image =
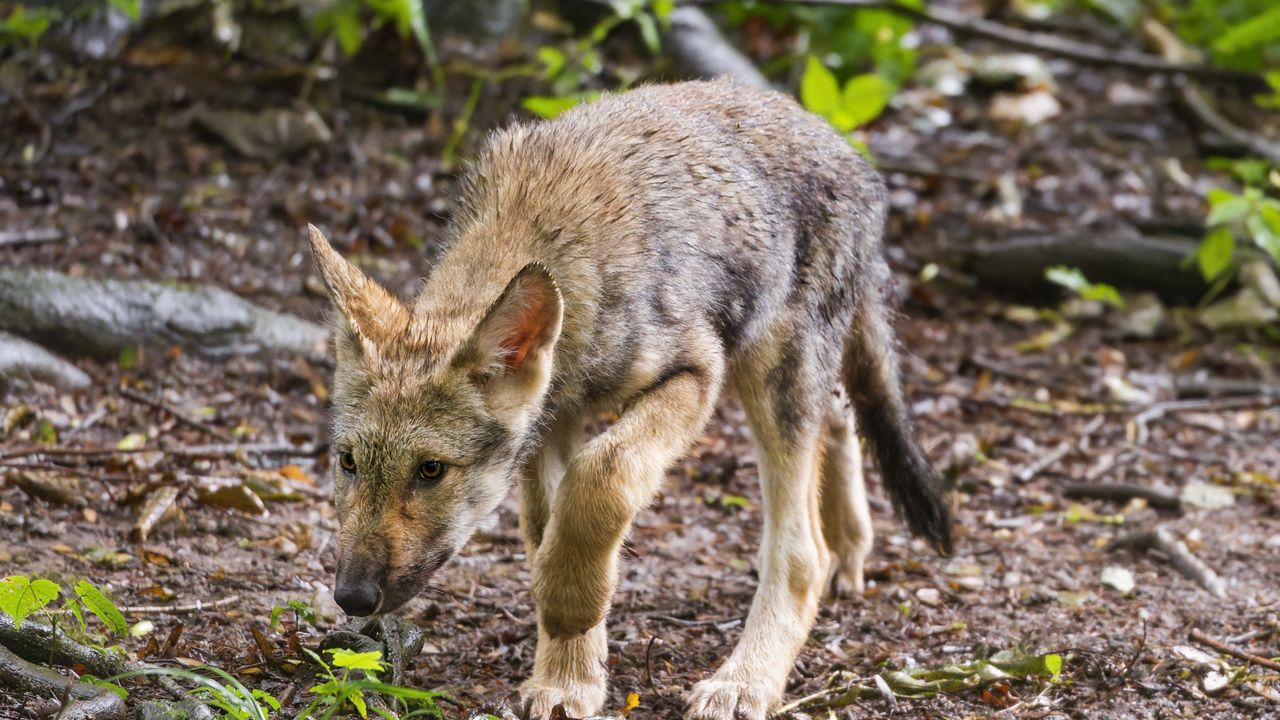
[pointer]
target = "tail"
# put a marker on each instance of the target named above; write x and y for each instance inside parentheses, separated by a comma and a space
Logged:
(871, 377)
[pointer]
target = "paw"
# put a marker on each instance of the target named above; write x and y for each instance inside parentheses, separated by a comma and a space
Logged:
(847, 579)
(847, 569)
(579, 700)
(728, 700)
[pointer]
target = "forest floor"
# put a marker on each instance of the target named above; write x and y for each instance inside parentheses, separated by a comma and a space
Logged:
(138, 189)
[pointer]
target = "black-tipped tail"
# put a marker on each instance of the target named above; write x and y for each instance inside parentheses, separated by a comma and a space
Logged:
(872, 380)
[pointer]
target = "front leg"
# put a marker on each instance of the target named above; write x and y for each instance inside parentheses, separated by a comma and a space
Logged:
(566, 671)
(606, 484)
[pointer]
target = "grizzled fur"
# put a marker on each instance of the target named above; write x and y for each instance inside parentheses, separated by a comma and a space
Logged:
(637, 254)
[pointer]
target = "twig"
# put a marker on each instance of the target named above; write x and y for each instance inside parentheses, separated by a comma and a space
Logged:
(1037, 466)
(177, 415)
(192, 452)
(30, 236)
(1159, 410)
(1022, 39)
(1123, 492)
(1197, 103)
(197, 606)
(1178, 555)
(1199, 636)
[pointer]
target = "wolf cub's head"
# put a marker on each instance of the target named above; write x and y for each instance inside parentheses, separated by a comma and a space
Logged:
(431, 412)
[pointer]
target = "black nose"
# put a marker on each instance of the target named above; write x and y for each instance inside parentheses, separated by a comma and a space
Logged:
(358, 597)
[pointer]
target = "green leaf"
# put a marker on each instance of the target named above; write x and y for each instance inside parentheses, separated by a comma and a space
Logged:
(819, 91)
(553, 61)
(131, 8)
(357, 699)
(549, 106)
(1214, 254)
(371, 660)
(346, 28)
(865, 97)
(649, 32)
(1225, 208)
(662, 9)
(1270, 215)
(20, 596)
(267, 698)
(105, 685)
(1254, 32)
(102, 607)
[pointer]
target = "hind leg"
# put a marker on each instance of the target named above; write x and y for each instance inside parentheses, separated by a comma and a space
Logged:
(846, 518)
(782, 400)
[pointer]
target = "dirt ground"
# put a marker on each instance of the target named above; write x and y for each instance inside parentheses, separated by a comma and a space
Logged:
(139, 190)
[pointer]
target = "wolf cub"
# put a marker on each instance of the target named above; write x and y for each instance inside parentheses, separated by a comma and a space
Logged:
(639, 254)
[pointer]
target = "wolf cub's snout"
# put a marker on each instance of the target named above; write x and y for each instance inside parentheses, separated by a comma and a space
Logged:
(639, 254)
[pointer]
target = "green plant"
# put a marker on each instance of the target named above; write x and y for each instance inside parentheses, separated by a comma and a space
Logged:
(1075, 281)
(861, 100)
(1242, 34)
(347, 20)
(571, 68)
(21, 597)
(1250, 215)
(848, 40)
(26, 25)
(222, 691)
(339, 690)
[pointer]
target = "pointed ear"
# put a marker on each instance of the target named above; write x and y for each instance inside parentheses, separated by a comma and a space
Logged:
(372, 314)
(516, 338)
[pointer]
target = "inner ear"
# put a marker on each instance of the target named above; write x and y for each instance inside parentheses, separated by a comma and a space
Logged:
(521, 325)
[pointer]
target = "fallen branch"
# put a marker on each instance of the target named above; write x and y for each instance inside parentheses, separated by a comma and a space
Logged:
(1123, 493)
(1197, 102)
(1178, 555)
(190, 452)
(194, 607)
(1199, 636)
(699, 50)
(81, 701)
(31, 236)
(1037, 466)
(963, 24)
(101, 317)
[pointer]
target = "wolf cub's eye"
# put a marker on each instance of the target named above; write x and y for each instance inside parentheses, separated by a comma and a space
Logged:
(430, 471)
(347, 461)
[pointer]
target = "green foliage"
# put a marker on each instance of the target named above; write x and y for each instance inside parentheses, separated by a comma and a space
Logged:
(1075, 281)
(1250, 216)
(301, 611)
(20, 596)
(26, 25)
(340, 690)
(1241, 34)
(92, 598)
(349, 19)
(1270, 101)
(132, 9)
(222, 690)
(849, 40)
(862, 100)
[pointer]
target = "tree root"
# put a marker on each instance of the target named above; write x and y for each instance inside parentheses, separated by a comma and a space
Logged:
(77, 700)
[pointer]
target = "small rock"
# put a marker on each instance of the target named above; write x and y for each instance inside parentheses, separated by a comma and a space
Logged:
(1258, 276)
(1028, 70)
(1118, 578)
(1030, 108)
(1206, 496)
(1142, 317)
(1215, 682)
(1246, 308)
(929, 596)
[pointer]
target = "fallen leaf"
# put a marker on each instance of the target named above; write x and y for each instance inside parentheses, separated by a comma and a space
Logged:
(1118, 578)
